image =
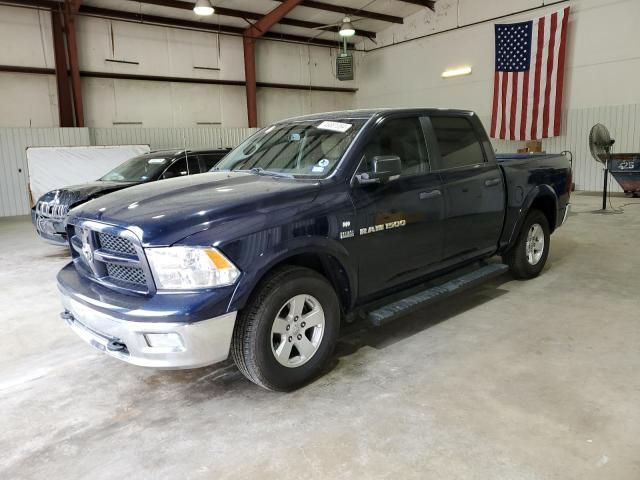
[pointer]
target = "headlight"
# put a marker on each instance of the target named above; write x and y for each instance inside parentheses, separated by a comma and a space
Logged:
(190, 267)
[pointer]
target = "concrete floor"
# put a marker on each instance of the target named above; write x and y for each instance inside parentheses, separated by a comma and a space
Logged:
(512, 380)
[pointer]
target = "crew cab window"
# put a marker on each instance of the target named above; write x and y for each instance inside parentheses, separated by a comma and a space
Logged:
(457, 141)
(402, 137)
(297, 149)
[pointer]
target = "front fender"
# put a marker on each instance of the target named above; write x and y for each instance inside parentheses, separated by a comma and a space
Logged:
(264, 262)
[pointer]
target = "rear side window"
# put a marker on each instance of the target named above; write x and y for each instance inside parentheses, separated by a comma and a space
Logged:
(459, 146)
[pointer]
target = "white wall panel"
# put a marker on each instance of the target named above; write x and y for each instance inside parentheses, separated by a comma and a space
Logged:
(25, 37)
(159, 138)
(110, 102)
(472, 11)
(278, 104)
(28, 100)
(14, 178)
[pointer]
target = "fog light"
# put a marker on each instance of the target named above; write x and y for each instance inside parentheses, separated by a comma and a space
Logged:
(171, 341)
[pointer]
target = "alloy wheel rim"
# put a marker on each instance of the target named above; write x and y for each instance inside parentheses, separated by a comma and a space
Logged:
(297, 331)
(534, 248)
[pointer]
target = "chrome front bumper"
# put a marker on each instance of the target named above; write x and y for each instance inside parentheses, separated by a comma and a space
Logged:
(196, 344)
(48, 229)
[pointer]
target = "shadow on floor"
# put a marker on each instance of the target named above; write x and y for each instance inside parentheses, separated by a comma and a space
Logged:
(224, 378)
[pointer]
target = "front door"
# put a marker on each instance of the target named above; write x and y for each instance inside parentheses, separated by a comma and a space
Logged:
(398, 223)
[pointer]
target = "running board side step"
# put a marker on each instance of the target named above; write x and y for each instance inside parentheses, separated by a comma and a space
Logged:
(406, 305)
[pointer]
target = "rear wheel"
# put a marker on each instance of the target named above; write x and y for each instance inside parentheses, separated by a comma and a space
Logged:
(286, 334)
(527, 257)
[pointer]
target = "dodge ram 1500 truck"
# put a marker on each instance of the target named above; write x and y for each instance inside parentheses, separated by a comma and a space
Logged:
(311, 222)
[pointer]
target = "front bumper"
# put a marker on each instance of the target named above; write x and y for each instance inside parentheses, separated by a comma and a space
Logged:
(48, 229)
(201, 343)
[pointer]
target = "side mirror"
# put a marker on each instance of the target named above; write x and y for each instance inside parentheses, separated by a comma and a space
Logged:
(385, 167)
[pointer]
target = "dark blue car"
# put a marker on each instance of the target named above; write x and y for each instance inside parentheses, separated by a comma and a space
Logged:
(311, 222)
(49, 213)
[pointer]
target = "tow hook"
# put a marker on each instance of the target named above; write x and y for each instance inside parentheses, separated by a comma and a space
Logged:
(66, 315)
(115, 346)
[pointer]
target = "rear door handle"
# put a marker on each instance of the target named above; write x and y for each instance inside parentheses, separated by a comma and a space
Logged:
(492, 182)
(431, 194)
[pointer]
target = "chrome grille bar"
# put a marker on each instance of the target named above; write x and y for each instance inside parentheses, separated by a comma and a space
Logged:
(111, 256)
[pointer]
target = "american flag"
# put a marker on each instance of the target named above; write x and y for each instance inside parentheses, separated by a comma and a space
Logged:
(529, 76)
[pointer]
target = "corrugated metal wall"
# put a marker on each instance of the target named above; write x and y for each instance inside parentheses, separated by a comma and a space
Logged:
(623, 122)
(14, 179)
(158, 138)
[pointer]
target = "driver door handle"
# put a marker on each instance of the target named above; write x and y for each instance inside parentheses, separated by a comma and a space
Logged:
(431, 194)
(492, 182)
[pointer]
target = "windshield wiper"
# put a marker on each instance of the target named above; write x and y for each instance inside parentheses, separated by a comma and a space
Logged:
(262, 171)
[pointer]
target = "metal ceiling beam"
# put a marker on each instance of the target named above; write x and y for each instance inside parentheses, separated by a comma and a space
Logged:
(430, 4)
(329, 7)
(166, 21)
(194, 24)
(230, 12)
(52, 4)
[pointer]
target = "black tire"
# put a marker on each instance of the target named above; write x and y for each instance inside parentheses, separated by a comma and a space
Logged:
(516, 257)
(251, 347)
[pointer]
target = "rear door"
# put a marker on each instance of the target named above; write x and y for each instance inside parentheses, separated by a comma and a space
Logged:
(398, 234)
(473, 188)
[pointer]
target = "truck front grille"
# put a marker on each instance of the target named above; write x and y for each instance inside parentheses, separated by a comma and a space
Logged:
(116, 244)
(122, 273)
(110, 256)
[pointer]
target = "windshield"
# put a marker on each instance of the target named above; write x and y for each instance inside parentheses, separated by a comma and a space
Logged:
(138, 169)
(308, 149)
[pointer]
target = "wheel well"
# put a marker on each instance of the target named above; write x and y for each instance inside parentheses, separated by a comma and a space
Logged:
(547, 206)
(328, 267)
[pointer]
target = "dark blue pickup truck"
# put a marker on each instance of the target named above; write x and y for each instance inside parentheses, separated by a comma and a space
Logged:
(311, 222)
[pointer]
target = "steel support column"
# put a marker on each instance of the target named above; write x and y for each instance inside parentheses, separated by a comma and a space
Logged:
(65, 104)
(249, 37)
(70, 10)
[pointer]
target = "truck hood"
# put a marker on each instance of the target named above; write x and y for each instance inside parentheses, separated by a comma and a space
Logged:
(162, 213)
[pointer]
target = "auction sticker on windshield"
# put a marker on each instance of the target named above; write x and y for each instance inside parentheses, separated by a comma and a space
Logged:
(335, 126)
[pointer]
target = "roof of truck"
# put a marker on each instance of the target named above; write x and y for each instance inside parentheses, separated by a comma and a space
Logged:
(169, 153)
(370, 112)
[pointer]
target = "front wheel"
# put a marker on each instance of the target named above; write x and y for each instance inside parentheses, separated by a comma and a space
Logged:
(527, 257)
(286, 334)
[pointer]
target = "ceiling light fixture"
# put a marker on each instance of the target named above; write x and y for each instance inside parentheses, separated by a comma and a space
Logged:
(456, 72)
(203, 7)
(347, 30)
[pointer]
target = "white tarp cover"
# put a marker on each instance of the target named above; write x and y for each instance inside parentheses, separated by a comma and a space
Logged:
(56, 167)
